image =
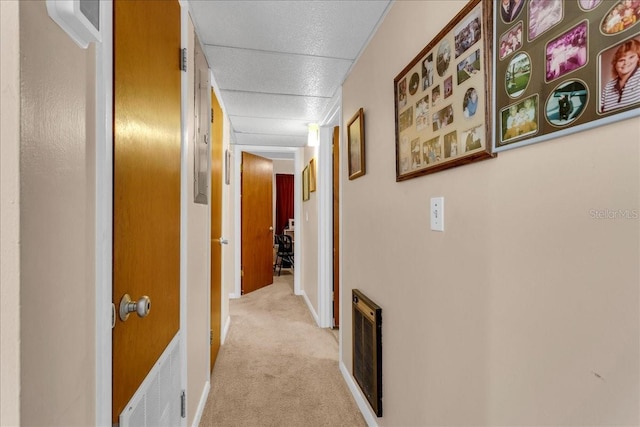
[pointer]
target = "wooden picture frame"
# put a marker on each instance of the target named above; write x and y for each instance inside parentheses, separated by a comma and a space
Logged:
(443, 105)
(355, 145)
(554, 70)
(312, 174)
(305, 184)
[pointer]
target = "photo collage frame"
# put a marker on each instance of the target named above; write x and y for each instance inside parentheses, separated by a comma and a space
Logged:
(442, 110)
(562, 66)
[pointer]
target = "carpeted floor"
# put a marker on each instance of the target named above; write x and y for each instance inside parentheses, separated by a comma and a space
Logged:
(277, 368)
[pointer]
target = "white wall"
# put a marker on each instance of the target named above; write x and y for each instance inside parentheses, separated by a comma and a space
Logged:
(10, 215)
(198, 257)
(57, 224)
(525, 311)
(308, 262)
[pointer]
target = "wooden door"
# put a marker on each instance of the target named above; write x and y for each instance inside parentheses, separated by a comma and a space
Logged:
(146, 186)
(336, 226)
(216, 226)
(257, 222)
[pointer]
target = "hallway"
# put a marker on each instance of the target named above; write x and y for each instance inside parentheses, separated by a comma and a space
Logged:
(277, 367)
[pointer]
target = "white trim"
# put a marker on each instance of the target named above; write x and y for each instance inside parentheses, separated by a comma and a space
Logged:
(325, 229)
(298, 163)
(184, 204)
(104, 216)
(201, 404)
(225, 330)
(341, 300)
(237, 234)
(362, 403)
(237, 159)
(311, 309)
(325, 212)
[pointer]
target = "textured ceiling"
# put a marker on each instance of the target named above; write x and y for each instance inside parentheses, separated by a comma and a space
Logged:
(278, 64)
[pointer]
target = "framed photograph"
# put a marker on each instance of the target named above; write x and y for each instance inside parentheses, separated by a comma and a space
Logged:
(564, 66)
(312, 174)
(355, 142)
(305, 184)
(445, 119)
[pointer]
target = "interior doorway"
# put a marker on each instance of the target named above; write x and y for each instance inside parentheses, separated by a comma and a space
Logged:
(257, 222)
(272, 152)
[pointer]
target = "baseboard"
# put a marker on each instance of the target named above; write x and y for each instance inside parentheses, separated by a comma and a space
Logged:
(362, 403)
(203, 402)
(311, 309)
(234, 296)
(225, 330)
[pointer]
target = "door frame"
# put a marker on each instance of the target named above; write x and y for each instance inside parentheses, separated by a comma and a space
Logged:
(292, 152)
(104, 214)
(332, 118)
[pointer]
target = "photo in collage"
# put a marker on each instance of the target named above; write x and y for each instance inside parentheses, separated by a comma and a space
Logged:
(564, 66)
(444, 119)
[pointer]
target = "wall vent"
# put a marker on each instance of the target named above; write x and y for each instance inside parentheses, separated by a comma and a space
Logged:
(367, 348)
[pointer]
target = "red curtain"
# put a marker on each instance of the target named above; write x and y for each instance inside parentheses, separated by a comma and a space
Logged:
(284, 200)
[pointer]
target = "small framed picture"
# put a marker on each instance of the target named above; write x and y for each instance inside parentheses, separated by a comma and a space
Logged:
(312, 174)
(305, 184)
(355, 144)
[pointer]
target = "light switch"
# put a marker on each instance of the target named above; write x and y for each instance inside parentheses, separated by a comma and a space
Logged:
(437, 213)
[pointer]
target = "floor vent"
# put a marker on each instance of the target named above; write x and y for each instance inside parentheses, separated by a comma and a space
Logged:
(367, 348)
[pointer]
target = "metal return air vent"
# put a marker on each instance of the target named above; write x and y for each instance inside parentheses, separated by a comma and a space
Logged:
(367, 348)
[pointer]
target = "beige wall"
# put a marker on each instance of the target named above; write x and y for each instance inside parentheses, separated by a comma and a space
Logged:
(198, 258)
(57, 223)
(309, 222)
(10, 215)
(525, 311)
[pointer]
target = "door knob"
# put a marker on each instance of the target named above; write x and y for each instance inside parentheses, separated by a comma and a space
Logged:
(270, 228)
(142, 306)
(223, 241)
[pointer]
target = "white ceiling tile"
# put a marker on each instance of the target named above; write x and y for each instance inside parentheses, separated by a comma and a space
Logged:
(268, 72)
(278, 64)
(270, 140)
(269, 126)
(336, 29)
(262, 105)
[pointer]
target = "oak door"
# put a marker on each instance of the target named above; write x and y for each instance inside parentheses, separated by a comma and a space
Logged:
(257, 222)
(216, 227)
(336, 226)
(146, 186)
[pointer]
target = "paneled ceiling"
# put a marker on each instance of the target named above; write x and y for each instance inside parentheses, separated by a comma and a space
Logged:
(278, 64)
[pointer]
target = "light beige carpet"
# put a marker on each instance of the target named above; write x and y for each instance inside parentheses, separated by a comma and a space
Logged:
(277, 368)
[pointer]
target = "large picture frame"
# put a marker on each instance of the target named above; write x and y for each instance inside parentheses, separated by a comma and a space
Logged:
(555, 70)
(442, 104)
(355, 145)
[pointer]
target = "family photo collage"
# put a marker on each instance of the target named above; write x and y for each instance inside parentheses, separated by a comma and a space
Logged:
(564, 65)
(441, 99)
(555, 66)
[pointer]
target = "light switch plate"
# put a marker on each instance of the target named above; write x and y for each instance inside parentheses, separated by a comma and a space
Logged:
(437, 213)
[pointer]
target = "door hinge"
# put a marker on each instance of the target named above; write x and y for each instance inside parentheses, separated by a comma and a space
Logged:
(183, 59)
(211, 337)
(183, 404)
(241, 273)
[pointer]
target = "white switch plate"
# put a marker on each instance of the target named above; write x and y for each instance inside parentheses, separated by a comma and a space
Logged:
(437, 213)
